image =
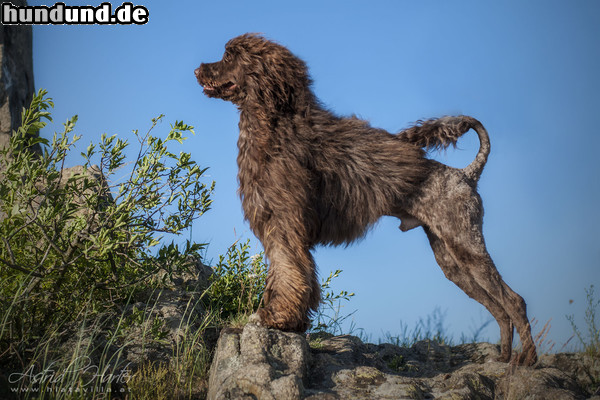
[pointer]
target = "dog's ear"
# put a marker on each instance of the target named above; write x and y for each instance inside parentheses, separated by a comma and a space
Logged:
(283, 83)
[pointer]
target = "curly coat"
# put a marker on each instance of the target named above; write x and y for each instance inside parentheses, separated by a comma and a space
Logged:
(310, 177)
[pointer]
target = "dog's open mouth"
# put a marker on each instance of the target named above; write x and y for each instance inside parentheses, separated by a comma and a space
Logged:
(214, 88)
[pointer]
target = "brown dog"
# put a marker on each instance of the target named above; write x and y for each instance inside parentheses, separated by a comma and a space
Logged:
(309, 177)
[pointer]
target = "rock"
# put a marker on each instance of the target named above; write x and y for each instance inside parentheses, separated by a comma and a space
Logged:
(97, 183)
(153, 327)
(177, 312)
(258, 363)
(544, 383)
(584, 368)
(16, 78)
(16, 75)
(268, 364)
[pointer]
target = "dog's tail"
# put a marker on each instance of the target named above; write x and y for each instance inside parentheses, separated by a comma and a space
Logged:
(440, 133)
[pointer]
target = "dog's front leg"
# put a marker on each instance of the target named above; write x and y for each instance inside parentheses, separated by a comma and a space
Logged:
(292, 291)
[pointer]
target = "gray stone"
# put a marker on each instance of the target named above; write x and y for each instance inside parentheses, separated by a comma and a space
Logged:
(16, 74)
(258, 363)
(178, 309)
(261, 363)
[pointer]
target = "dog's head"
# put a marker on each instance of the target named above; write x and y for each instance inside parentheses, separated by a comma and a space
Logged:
(258, 72)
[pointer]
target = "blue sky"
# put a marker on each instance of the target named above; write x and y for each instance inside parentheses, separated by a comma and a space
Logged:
(528, 70)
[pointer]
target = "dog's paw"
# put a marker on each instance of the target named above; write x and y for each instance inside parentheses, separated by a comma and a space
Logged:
(267, 318)
(504, 358)
(255, 319)
(527, 357)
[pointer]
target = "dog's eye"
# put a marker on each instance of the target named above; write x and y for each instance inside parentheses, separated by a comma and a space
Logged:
(227, 56)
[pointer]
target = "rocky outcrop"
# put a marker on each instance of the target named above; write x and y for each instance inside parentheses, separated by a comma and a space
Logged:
(178, 309)
(16, 75)
(268, 364)
(154, 325)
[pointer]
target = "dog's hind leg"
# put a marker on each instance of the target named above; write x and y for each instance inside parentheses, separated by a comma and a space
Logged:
(451, 209)
(467, 248)
(470, 286)
(475, 263)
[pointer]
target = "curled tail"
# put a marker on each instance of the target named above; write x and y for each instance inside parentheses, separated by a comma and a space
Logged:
(443, 132)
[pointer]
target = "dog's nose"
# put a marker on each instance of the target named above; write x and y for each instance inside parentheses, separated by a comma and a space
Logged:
(197, 72)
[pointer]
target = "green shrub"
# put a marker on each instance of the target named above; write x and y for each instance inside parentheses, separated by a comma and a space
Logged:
(80, 241)
(238, 283)
(329, 317)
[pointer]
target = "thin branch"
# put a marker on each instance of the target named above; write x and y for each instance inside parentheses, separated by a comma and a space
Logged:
(21, 269)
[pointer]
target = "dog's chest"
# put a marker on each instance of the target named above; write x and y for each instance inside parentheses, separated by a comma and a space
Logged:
(252, 171)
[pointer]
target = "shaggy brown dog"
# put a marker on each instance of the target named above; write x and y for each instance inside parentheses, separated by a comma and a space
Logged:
(309, 177)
